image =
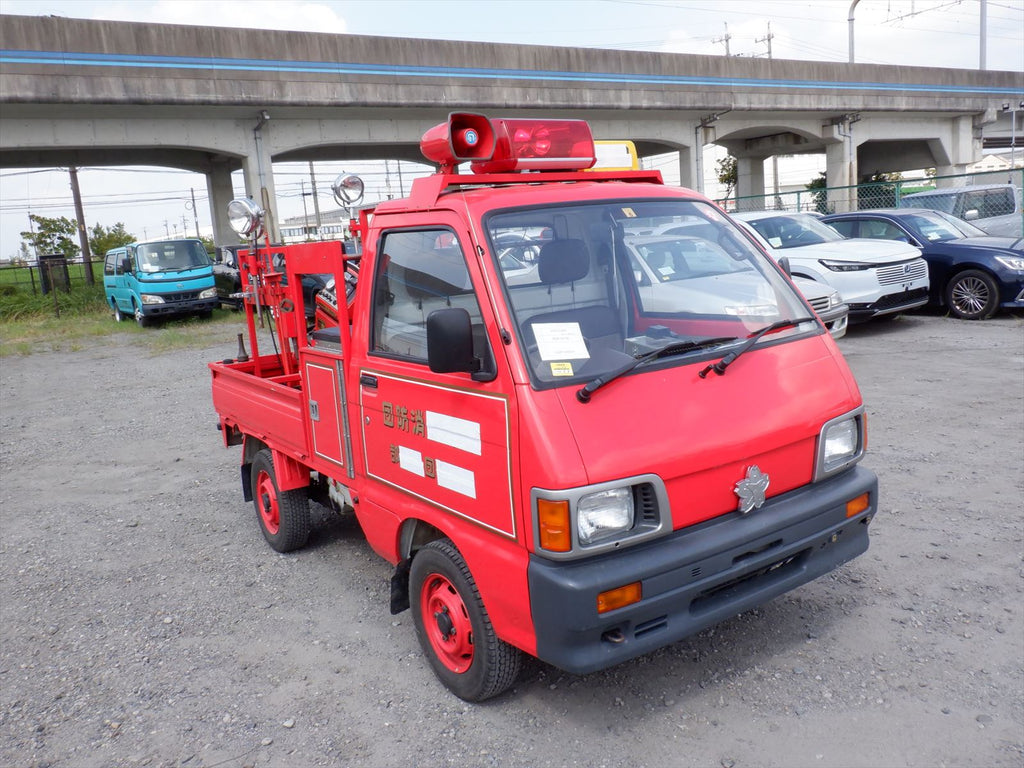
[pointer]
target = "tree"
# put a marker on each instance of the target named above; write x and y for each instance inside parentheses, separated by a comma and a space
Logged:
(102, 239)
(53, 236)
(878, 190)
(727, 174)
(819, 186)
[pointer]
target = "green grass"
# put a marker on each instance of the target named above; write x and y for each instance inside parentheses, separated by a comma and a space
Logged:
(28, 324)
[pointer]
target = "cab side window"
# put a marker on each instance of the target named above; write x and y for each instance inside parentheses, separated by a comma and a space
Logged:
(418, 272)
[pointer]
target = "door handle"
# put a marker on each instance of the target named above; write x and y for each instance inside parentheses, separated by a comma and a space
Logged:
(366, 380)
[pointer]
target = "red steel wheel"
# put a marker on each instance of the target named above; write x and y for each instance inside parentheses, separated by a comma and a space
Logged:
(446, 623)
(283, 515)
(453, 627)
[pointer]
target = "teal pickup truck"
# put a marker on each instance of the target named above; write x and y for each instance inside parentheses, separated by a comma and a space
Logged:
(159, 279)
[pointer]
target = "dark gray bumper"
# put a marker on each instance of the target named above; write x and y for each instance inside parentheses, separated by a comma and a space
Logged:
(697, 577)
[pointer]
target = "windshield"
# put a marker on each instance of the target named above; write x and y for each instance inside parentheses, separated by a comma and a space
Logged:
(936, 227)
(793, 230)
(965, 228)
(612, 282)
(171, 256)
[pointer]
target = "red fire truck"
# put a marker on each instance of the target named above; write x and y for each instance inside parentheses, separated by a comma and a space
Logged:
(560, 454)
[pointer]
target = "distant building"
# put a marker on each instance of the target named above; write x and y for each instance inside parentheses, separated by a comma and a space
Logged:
(301, 229)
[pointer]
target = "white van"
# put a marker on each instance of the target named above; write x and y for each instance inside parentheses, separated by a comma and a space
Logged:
(995, 208)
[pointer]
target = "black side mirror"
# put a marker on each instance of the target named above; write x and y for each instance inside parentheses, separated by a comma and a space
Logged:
(126, 264)
(450, 343)
(784, 263)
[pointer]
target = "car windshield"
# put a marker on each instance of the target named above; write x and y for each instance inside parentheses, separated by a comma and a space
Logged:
(963, 227)
(793, 230)
(936, 227)
(599, 294)
(171, 256)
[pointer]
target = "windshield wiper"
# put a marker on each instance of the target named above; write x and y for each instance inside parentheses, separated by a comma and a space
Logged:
(583, 393)
(752, 339)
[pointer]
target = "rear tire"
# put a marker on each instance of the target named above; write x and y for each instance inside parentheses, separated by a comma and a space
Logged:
(453, 627)
(972, 295)
(118, 315)
(283, 515)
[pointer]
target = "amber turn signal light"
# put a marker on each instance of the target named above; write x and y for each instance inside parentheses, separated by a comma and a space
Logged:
(857, 505)
(619, 597)
(553, 525)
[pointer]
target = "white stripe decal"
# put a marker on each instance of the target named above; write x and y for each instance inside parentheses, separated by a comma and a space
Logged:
(456, 479)
(410, 460)
(453, 431)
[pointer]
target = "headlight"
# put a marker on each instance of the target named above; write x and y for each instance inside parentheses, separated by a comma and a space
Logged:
(845, 266)
(604, 514)
(840, 444)
(570, 523)
(834, 300)
(1011, 262)
(152, 298)
(209, 293)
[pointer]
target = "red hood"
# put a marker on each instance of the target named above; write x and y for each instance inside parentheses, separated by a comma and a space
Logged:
(700, 435)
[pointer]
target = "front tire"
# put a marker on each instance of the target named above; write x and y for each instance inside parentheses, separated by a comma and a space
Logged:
(453, 627)
(972, 295)
(140, 318)
(283, 515)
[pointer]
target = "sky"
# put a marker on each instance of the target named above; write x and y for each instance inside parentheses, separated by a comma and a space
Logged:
(152, 202)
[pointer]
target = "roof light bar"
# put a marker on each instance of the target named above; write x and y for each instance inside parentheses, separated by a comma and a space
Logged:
(539, 145)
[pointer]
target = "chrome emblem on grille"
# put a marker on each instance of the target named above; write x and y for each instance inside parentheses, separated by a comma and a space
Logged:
(751, 489)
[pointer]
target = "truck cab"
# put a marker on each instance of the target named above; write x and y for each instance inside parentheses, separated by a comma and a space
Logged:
(556, 462)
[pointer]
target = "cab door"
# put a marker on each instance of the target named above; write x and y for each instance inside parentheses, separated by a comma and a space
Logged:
(444, 439)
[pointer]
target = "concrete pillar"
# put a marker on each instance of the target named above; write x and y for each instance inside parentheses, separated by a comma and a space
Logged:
(220, 192)
(750, 183)
(943, 171)
(259, 180)
(841, 175)
(688, 168)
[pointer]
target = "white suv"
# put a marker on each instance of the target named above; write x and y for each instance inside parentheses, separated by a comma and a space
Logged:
(874, 277)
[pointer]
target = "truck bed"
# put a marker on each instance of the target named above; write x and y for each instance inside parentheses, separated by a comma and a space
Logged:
(268, 406)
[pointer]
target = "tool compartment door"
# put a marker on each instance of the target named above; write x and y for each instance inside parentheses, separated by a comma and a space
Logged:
(323, 376)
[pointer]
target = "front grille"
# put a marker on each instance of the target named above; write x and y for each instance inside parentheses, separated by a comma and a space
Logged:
(903, 272)
(646, 504)
(170, 298)
(905, 299)
(819, 305)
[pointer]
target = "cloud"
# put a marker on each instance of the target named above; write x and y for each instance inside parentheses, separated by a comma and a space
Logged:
(296, 15)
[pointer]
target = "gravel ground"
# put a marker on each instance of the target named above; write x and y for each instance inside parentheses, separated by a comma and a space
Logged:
(146, 622)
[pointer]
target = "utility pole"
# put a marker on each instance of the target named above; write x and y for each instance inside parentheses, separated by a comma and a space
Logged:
(83, 236)
(305, 211)
(195, 213)
(775, 158)
(316, 203)
(767, 39)
(724, 39)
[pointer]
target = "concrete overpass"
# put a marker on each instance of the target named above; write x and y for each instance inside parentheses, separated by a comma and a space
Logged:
(80, 92)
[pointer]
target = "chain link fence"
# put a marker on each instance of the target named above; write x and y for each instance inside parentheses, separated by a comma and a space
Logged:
(879, 194)
(39, 278)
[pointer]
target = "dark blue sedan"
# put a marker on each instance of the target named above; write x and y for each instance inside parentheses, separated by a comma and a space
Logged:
(970, 273)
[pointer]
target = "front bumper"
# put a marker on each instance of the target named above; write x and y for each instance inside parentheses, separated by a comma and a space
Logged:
(180, 307)
(696, 577)
(890, 303)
